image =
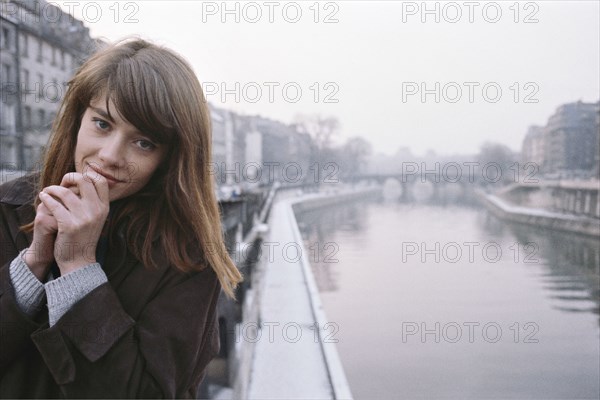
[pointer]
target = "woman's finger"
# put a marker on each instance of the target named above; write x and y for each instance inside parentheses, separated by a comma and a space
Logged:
(100, 184)
(42, 209)
(69, 200)
(91, 184)
(55, 207)
(69, 183)
(69, 179)
(75, 190)
(79, 183)
(44, 219)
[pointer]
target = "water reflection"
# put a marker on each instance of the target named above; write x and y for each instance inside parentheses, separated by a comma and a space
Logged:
(318, 227)
(571, 261)
(373, 295)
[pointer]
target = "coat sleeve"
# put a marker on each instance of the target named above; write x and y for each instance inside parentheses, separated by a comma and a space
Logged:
(97, 350)
(15, 325)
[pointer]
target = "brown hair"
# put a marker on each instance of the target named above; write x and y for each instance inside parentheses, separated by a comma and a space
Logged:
(155, 90)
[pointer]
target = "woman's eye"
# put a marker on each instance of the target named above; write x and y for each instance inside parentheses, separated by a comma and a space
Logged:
(101, 124)
(145, 145)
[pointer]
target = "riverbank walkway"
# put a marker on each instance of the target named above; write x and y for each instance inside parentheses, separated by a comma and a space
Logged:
(581, 224)
(292, 359)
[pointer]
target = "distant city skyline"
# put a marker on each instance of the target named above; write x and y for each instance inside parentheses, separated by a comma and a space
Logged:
(371, 63)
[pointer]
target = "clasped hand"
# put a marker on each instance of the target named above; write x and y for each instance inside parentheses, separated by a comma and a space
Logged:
(68, 223)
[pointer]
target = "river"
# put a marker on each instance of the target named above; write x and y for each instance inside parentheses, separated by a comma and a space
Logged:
(428, 301)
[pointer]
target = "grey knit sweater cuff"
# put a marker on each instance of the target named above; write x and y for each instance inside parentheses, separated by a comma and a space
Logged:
(66, 290)
(29, 291)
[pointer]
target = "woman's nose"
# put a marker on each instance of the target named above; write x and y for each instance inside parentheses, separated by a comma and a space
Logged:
(112, 151)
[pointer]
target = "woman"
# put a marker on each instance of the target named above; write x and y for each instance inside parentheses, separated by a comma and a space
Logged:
(113, 257)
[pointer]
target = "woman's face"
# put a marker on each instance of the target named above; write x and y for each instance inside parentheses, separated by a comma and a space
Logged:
(115, 149)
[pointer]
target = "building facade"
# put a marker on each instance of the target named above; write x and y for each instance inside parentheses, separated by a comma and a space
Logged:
(41, 48)
(571, 139)
(568, 146)
(253, 150)
(533, 150)
(597, 156)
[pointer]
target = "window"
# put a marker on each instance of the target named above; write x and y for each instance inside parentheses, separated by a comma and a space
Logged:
(6, 151)
(27, 117)
(25, 79)
(40, 84)
(62, 60)
(53, 92)
(53, 56)
(7, 122)
(6, 73)
(29, 154)
(40, 48)
(25, 45)
(41, 117)
(5, 39)
(68, 61)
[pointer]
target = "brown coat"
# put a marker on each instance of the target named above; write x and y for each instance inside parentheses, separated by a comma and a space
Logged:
(145, 333)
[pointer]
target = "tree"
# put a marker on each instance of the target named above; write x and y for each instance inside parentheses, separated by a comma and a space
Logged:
(321, 129)
(497, 161)
(355, 153)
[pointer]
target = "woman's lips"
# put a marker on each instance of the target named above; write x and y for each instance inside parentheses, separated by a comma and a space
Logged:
(112, 181)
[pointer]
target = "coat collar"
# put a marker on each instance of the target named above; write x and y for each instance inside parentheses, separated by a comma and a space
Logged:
(21, 193)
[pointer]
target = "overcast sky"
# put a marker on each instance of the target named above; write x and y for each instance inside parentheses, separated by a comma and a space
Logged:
(367, 65)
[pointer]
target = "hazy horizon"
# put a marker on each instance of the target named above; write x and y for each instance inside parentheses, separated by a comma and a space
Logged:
(373, 59)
